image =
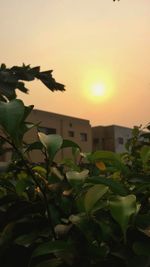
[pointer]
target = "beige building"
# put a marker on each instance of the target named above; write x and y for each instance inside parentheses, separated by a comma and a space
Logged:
(112, 138)
(75, 129)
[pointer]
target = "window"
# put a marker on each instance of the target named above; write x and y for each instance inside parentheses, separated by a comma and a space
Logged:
(47, 130)
(70, 124)
(83, 137)
(120, 140)
(70, 133)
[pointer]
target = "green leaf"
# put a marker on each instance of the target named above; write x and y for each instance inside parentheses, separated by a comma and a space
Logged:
(107, 157)
(34, 146)
(23, 128)
(103, 155)
(11, 79)
(68, 143)
(115, 186)
(7, 234)
(95, 193)
(145, 154)
(26, 240)
(3, 192)
(98, 251)
(121, 209)
(7, 184)
(3, 66)
(51, 247)
(86, 226)
(23, 73)
(143, 220)
(21, 185)
(7, 88)
(49, 81)
(142, 248)
(62, 229)
(50, 263)
(8, 199)
(51, 142)
(11, 115)
(75, 177)
(106, 230)
(57, 173)
(39, 169)
(27, 111)
(145, 135)
(2, 98)
(21, 87)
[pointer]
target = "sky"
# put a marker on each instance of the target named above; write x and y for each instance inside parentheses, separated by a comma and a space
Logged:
(87, 44)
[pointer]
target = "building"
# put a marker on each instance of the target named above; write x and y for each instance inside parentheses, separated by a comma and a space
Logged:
(75, 129)
(112, 138)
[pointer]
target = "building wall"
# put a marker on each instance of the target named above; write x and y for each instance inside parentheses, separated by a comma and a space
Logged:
(121, 135)
(103, 138)
(75, 129)
(111, 138)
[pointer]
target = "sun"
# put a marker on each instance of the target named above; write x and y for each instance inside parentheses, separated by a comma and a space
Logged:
(98, 85)
(98, 90)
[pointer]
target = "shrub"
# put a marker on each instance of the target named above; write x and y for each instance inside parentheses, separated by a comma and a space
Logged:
(92, 212)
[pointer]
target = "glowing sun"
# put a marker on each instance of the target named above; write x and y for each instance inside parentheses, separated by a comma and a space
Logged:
(98, 90)
(97, 86)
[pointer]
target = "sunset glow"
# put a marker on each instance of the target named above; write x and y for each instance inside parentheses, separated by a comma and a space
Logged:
(98, 90)
(98, 49)
(98, 85)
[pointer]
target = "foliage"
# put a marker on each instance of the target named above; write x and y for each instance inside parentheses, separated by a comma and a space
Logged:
(90, 212)
(12, 79)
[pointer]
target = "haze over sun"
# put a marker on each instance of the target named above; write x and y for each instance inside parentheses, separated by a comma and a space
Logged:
(99, 49)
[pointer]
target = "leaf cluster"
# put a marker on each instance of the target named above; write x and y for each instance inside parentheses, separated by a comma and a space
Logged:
(13, 78)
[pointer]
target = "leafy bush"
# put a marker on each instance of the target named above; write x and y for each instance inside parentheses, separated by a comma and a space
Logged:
(94, 211)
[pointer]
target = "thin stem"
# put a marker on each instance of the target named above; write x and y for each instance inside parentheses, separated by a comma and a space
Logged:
(36, 182)
(47, 161)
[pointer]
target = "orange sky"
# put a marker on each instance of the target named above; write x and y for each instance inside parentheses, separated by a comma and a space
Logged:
(84, 42)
